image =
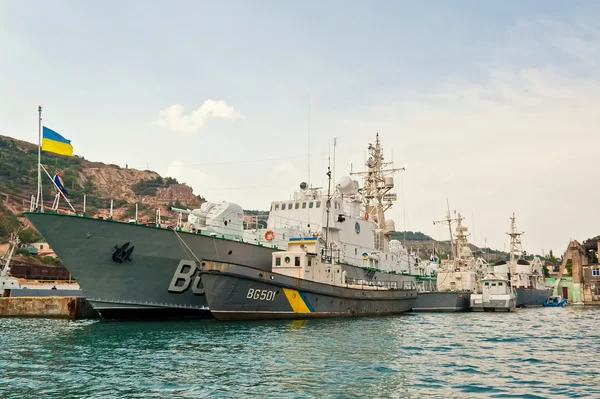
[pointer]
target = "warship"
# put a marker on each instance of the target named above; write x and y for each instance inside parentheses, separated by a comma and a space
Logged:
(526, 277)
(457, 278)
(305, 282)
(130, 270)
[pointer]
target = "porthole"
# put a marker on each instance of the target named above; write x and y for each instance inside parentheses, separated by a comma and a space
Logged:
(287, 259)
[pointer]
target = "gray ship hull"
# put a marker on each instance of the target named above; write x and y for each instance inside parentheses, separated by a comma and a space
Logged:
(159, 278)
(530, 298)
(442, 301)
(236, 292)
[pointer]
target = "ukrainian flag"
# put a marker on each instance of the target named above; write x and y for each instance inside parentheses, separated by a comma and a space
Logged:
(54, 142)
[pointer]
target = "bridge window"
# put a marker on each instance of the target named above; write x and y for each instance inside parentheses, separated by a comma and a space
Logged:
(596, 271)
(297, 205)
(283, 207)
(309, 261)
(297, 260)
(276, 207)
(310, 204)
(487, 284)
(278, 261)
(500, 284)
(304, 205)
(318, 204)
(290, 206)
(493, 284)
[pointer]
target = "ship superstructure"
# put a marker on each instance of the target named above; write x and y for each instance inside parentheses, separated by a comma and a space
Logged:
(358, 232)
(527, 277)
(457, 277)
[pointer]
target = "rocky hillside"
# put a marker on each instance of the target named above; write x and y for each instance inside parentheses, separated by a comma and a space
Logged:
(97, 181)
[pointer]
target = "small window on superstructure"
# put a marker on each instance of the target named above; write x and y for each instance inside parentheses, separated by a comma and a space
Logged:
(278, 261)
(310, 204)
(493, 284)
(276, 207)
(304, 205)
(500, 284)
(283, 207)
(309, 261)
(290, 206)
(487, 284)
(297, 205)
(318, 204)
(355, 251)
(296, 260)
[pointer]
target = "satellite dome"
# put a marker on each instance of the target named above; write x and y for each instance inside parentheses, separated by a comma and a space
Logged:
(345, 185)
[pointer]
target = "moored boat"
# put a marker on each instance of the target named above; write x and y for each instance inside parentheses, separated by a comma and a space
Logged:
(497, 296)
(555, 301)
(304, 283)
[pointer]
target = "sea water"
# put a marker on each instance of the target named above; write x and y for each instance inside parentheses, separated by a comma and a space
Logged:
(532, 353)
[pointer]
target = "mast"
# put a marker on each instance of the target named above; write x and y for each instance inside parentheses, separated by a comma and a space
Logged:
(516, 249)
(39, 200)
(377, 184)
(14, 242)
(328, 207)
(448, 220)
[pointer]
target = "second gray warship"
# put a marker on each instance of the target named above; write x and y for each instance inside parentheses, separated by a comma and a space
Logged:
(457, 277)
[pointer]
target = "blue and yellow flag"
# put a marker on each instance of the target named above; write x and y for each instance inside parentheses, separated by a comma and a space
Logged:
(54, 142)
(60, 184)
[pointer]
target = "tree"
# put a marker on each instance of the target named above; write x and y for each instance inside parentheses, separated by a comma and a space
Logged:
(29, 236)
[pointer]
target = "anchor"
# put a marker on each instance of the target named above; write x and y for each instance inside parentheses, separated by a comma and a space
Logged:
(122, 253)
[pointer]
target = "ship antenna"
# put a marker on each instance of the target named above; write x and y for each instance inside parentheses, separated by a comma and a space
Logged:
(308, 139)
(328, 207)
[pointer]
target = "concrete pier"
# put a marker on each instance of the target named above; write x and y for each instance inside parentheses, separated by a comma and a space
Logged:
(49, 306)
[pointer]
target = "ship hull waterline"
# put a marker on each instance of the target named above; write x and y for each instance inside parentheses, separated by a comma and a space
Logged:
(442, 301)
(531, 297)
(236, 292)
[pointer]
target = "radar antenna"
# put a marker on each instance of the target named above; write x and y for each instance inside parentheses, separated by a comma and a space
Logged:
(378, 181)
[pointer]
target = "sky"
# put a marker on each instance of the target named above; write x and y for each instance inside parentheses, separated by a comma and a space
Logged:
(492, 107)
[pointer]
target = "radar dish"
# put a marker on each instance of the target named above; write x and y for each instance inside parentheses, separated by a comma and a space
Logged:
(345, 185)
(303, 185)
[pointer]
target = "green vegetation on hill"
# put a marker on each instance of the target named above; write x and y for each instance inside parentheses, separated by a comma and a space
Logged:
(18, 166)
(150, 186)
(8, 222)
(410, 236)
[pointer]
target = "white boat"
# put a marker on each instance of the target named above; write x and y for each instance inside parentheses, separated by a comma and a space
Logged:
(497, 296)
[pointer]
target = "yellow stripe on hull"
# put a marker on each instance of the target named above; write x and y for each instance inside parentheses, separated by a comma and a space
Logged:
(57, 147)
(296, 301)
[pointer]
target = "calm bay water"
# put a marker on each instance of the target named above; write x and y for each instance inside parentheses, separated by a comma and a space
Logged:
(531, 353)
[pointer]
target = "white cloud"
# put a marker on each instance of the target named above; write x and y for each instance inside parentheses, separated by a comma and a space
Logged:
(174, 118)
(281, 169)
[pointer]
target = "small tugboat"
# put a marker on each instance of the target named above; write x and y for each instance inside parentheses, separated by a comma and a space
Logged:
(497, 296)
(555, 301)
(304, 283)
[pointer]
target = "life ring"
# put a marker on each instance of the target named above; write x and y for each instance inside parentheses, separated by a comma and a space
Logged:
(366, 215)
(269, 235)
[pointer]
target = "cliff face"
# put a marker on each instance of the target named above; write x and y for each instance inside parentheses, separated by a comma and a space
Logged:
(99, 183)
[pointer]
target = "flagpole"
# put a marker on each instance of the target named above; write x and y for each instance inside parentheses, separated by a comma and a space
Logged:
(39, 200)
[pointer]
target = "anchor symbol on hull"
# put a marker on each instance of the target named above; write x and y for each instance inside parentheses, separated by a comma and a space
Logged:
(122, 253)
